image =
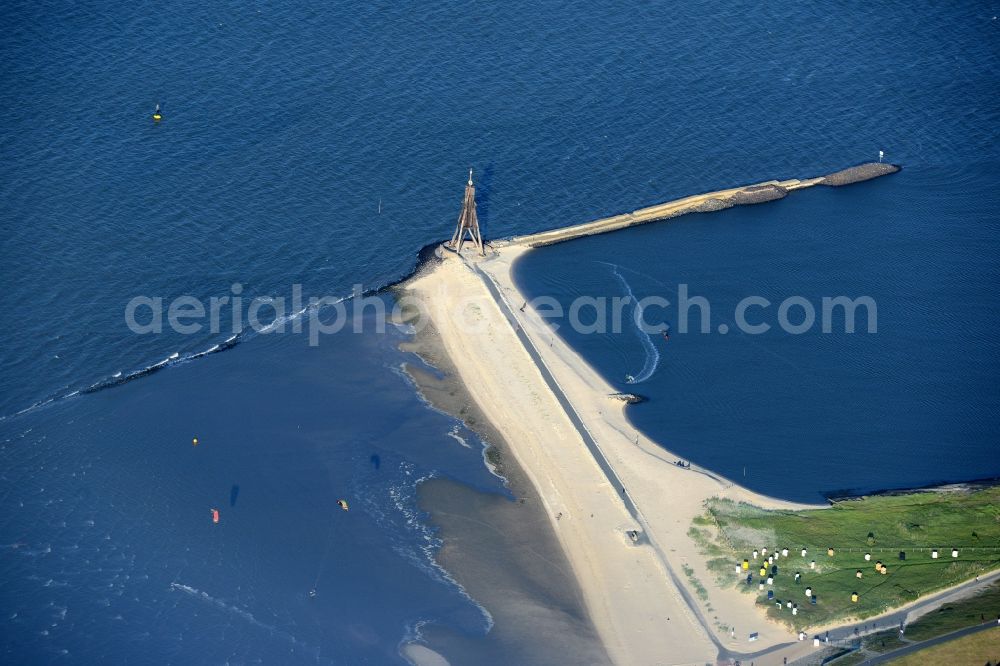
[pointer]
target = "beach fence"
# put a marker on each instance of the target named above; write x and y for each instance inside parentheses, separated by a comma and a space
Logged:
(943, 553)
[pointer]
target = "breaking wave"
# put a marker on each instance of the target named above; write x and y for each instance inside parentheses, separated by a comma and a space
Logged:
(176, 358)
(234, 610)
(424, 256)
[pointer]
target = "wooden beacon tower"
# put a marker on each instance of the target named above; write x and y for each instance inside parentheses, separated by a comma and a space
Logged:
(468, 223)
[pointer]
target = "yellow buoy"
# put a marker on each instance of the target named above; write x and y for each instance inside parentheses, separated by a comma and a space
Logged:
(854, 598)
(156, 114)
(194, 442)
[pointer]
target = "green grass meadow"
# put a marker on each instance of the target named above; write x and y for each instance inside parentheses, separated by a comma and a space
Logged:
(881, 525)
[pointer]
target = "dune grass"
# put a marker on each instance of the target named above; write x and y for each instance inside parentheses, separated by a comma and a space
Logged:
(884, 525)
(983, 607)
(976, 649)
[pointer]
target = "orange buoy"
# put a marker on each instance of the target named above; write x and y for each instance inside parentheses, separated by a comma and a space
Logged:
(342, 504)
(215, 515)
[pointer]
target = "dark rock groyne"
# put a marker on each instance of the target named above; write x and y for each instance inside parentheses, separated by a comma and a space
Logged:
(857, 174)
(703, 203)
(759, 194)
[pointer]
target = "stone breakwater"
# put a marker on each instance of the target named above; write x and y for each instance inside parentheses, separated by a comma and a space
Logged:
(856, 174)
(703, 203)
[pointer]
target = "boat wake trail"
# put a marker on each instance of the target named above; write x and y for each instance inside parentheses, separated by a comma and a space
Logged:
(652, 360)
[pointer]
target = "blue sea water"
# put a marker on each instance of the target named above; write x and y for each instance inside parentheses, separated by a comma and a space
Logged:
(323, 146)
(801, 415)
(110, 553)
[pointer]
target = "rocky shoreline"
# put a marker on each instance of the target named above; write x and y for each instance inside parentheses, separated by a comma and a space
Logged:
(771, 190)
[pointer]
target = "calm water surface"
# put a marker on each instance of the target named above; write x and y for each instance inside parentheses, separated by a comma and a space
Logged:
(286, 126)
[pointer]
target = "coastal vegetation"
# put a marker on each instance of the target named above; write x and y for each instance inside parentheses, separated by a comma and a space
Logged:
(981, 648)
(978, 648)
(861, 556)
(983, 607)
(699, 589)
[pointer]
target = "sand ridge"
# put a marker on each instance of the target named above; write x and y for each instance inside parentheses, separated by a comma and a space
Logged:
(635, 592)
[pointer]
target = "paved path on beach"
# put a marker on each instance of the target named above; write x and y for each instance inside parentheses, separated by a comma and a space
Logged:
(595, 450)
(911, 613)
(841, 635)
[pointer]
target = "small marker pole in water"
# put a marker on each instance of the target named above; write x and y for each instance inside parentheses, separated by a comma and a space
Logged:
(880, 156)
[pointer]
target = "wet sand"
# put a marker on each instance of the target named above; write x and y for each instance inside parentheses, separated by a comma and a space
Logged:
(618, 505)
(499, 547)
(634, 600)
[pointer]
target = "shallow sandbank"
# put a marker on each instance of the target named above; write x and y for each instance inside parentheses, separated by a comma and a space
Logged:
(500, 548)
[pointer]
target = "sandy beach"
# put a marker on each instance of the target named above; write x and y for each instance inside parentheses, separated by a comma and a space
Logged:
(500, 548)
(619, 505)
(636, 590)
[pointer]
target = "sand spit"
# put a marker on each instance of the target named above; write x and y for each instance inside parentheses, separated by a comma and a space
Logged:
(626, 540)
(500, 548)
(619, 505)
